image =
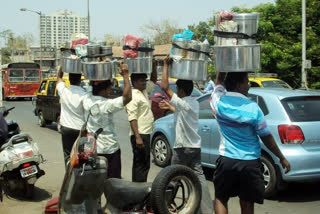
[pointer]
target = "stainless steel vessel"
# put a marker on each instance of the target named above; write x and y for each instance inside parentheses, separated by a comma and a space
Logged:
(248, 23)
(98, 70)
(240, 58)
(189, 69)
(70, 65)
(139, 65)
(142, 54)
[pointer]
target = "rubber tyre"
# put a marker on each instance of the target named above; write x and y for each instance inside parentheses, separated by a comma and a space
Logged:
(41, 120)
(29, 190)
(161, 151)
(269, 176)
(58, 125)
(171, 173)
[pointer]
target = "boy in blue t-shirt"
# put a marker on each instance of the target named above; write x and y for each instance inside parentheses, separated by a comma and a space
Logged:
(241, 123)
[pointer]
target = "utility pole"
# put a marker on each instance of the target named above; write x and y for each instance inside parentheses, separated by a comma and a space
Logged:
(39, 13)
(304, 83)
(88, 22)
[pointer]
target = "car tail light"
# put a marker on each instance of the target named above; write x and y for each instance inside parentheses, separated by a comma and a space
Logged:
(290, 134)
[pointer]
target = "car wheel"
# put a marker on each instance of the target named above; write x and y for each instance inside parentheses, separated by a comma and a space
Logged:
(58, 125)
(161, 151)
(269, 177)
(41, 120)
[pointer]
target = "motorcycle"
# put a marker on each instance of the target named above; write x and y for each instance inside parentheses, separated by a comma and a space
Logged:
(19, 162)
(176, 189)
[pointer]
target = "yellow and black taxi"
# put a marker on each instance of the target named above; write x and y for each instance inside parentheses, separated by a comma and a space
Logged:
(47, 101)
(267, 81)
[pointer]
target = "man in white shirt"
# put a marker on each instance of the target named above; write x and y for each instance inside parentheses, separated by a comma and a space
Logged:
(187, 146)
(209, 86)
(141, 122)
(107, 142)
(72, 113)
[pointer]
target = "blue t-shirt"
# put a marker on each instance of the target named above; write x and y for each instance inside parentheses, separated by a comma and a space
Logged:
(241, 122)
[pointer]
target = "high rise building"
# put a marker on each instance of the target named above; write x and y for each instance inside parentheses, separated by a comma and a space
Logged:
(58, 27)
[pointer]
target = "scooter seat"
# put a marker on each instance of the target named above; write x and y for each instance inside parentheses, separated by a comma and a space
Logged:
(124, 194)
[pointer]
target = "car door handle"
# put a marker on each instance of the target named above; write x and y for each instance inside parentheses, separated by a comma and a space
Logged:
(205, 128)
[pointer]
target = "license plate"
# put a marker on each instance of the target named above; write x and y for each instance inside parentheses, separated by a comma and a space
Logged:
(31, 170)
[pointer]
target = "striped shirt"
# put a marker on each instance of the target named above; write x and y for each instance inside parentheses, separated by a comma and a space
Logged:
(241, 122)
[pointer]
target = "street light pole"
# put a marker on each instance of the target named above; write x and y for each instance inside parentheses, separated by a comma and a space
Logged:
(39, 13)
(88, 22)
(303, 67)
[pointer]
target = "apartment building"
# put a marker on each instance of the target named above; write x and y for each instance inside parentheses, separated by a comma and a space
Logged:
(58, 27)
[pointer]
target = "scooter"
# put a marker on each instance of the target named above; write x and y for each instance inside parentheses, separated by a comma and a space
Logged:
(19, 162)
(176, 189)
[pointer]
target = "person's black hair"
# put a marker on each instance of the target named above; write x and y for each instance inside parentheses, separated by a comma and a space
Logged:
(75, 79)
(136, 76)
(103, 85)
(185, 85)
(233, 79)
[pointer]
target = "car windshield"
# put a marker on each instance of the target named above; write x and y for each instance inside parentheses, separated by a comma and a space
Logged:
(275, 84)
(302, 109)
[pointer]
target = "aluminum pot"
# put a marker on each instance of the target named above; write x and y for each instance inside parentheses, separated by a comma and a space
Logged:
(139, 65)
(195, 46)
(189, 69)
(145, 54)
(106, 50)
(70, 65)
(177, 51)
(93, 49)
(240, 58)
(204, 48)
(98, 70)
(248, 23)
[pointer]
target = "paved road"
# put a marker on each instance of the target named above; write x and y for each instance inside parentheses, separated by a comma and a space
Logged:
(297, 199)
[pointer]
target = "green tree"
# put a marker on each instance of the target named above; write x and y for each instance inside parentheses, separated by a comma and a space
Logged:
(162, 32)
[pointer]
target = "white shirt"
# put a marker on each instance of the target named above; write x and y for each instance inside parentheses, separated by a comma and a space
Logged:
(72, 113)
(186, 118)
(107, 142)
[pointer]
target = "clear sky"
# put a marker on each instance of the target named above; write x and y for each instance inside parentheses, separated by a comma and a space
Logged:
(115, 17)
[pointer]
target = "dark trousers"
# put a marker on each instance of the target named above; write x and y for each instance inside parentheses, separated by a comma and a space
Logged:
(69, 136)
(114, 164)
(141, 159)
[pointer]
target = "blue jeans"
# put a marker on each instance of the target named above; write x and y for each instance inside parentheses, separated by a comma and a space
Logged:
(191, 157)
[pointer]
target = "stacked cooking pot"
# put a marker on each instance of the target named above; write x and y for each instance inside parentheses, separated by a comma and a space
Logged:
(95, 62)
(190, 59)
(98, 64)
(142, 63)
(235, 47)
